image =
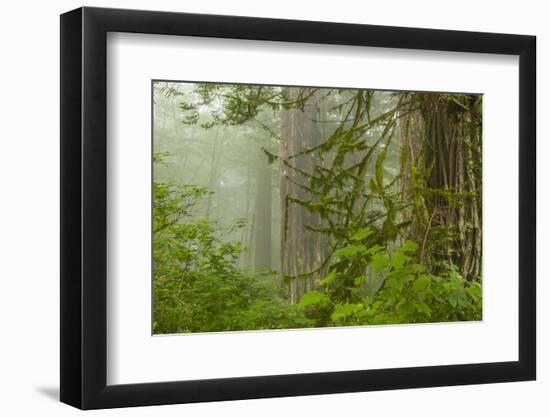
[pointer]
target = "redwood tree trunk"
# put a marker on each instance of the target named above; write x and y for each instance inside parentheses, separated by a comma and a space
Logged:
(262, 247)
(444, 153)
(302, 250)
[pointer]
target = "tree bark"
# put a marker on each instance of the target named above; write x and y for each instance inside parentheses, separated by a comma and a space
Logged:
(442, 138)
(302, 250)
(262, 252)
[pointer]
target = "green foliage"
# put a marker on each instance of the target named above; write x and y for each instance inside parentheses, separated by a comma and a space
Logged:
(410, 294)
(362, 234)
(343, 311)
(386, 214)
(312, 298)
(350, 251)
(197, 285)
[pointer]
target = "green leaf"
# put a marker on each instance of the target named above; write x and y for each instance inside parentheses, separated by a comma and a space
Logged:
(408, 246)
(312, 298)
(362, 234)
(350, 251)
(345, 310)
(328, 278)
(474, 290)
(453, 300)
(397, 280)
(398, 260)
(458, 298)
(379, 262)
(422, 307)
(421, 283)
(414, 268)
(405, 307)
(374, 249)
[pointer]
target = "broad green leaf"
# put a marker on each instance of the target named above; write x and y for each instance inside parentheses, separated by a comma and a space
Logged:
(453, 300)
(408, 246)
(328, 278)
(312, 298)
(405, 307)
(421, 283)
(345, 310)
(374, 249)
(379, 262)
(458, 298)
(350, 251)
(397, 280)
(398, 260)
(474, 290)
(362, 234)
(422, 307)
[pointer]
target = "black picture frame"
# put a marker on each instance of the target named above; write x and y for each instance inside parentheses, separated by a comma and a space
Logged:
(84, 207)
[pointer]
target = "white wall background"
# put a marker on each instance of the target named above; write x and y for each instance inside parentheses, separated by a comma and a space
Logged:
(29, 225)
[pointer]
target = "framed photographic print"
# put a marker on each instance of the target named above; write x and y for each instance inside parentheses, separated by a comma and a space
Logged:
(255, 208)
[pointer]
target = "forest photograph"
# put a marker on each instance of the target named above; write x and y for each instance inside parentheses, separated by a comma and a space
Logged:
(285, 207)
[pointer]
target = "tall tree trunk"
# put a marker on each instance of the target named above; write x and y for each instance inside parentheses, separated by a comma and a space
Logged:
(262, 252)
(443, 156)
(411, 135)
(213, 180)
(245, 249)
(302, 250)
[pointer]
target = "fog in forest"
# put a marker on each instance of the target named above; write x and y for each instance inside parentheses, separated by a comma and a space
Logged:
(290, 207)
